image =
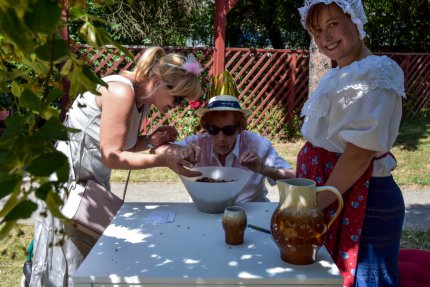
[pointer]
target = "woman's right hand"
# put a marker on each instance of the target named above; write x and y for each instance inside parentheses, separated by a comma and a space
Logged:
(180, 166)
(190, 152)
(163, 135)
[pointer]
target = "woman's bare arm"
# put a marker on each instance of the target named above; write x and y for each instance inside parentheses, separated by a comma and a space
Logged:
(350, 166)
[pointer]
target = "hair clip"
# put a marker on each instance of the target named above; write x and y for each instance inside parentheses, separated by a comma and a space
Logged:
(191, 65)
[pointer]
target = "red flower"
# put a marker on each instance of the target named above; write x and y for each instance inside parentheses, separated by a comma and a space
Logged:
(195, 104)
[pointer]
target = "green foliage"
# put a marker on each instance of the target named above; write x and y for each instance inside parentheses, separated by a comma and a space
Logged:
(34, 63)
(395, 26)
(398, 26)
(263, 23)
(293, 130)
(187, 125)
(140, 22)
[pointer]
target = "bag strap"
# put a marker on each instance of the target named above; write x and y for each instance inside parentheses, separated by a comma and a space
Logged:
(144, 111)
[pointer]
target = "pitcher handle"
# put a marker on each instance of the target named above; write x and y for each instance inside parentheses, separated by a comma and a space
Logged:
(339, 199)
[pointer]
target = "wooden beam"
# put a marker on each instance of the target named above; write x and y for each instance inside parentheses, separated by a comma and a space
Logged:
(222, 7)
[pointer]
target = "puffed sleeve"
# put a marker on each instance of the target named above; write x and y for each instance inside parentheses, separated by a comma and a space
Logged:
(368, 112)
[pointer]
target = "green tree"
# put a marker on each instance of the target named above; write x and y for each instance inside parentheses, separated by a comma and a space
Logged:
(395, 26)
(140, 22)
(398, 25)
(263, 23)
(34, 61)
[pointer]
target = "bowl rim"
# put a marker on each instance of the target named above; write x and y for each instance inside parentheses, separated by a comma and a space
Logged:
(192, 179)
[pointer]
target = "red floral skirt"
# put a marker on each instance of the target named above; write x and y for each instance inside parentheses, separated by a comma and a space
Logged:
(344, 235)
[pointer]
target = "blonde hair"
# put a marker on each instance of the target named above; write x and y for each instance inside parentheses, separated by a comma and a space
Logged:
(155, 62)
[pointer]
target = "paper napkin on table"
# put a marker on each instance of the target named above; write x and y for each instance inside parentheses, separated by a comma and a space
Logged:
(160, 216)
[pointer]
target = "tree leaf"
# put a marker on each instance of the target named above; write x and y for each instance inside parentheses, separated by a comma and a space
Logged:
(63, 172)
(53, 51)
(52, 129)
(93, 77)
(14, 127)
(9, 183)
(30, 101)
(106, 39)
(43, 190)
(77, 13)
(43, 16)
(46, 164)
(22, 210)
(97, 37)
(49, 112)
(53, 202)
(54, 95)
(16, 89)
(66, 68)
(15, 30)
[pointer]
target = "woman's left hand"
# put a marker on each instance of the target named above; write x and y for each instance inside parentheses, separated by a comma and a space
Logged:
(251, 160)
(163, 135)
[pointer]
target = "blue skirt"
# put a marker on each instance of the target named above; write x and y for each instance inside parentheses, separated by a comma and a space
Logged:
(380, 241)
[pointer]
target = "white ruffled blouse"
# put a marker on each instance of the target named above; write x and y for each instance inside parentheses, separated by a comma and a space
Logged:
(360, 103)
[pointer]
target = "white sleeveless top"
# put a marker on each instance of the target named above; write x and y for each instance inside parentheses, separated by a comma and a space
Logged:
(85, 115)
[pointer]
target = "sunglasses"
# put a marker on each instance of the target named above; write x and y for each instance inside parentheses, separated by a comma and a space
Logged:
(226, 130)
(178, 100)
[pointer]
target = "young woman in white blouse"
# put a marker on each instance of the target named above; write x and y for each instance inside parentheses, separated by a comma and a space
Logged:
(351, 122)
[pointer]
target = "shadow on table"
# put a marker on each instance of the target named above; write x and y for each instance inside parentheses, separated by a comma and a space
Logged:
(170, 252)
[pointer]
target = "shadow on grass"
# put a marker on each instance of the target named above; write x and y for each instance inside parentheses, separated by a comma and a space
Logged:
(412, 131)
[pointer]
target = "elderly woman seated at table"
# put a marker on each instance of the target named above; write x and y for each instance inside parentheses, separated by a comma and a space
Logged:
(228, 143)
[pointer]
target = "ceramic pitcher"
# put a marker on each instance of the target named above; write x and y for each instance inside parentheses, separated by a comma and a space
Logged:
(298, 225)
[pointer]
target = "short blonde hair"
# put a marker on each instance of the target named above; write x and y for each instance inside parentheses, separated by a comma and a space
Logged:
(155, 62)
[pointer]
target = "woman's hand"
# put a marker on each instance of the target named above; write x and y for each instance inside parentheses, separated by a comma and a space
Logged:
(191, 153)
(163, 135)
(252, 161)
(350, 166)
(180, 166)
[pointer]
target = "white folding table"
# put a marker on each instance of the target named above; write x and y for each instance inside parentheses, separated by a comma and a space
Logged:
(190, 251)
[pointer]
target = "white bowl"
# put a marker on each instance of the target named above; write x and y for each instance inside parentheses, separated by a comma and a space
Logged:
(214, 197)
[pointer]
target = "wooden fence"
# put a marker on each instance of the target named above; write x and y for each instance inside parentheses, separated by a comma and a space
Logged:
(272, 83)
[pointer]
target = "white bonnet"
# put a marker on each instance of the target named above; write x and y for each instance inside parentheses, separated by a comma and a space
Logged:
(352, 7)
